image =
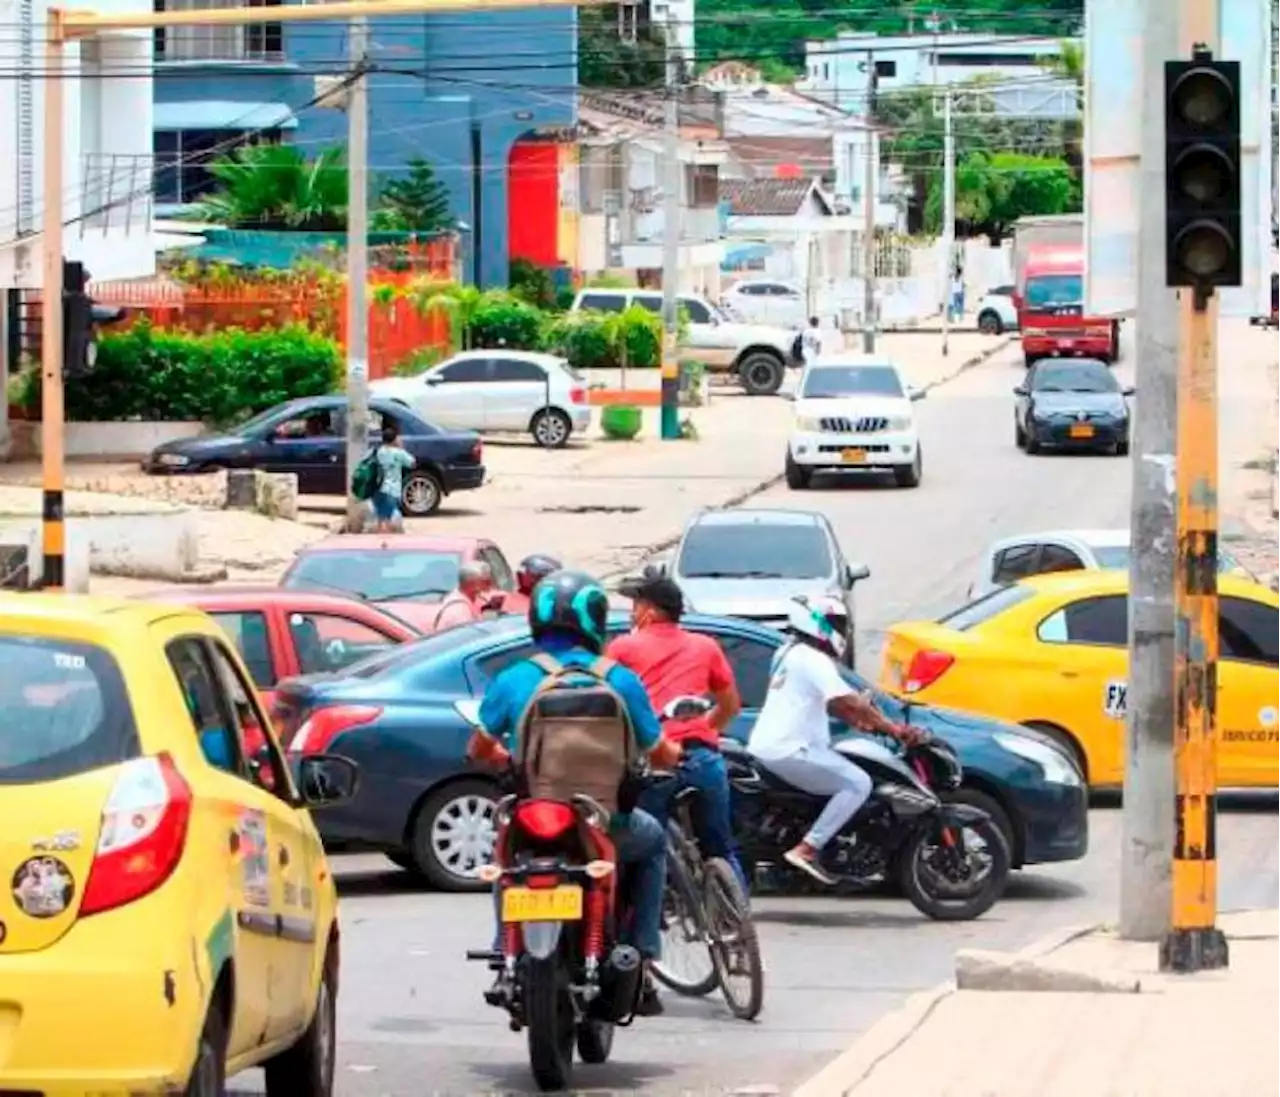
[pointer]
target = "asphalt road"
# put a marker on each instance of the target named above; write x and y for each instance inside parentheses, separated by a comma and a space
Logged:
(411, 1018)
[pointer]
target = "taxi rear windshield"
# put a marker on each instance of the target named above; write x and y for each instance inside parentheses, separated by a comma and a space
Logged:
(64, 710)
(984, 608)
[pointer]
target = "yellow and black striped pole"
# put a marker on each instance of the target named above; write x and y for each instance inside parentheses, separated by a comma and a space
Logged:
(53, 575)
(1194, 943)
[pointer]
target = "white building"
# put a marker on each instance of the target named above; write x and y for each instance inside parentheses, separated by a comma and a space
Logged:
(676, 18)
(836, 69)
(106, 127)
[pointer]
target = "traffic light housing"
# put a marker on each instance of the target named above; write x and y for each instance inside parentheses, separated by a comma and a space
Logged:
(80, 321)
(1202, 172)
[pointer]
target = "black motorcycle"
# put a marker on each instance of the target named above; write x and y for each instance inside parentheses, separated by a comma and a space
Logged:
(952, 860)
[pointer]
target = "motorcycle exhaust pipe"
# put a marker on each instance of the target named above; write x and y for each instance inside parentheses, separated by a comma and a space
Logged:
(627, 967)
(624, 959)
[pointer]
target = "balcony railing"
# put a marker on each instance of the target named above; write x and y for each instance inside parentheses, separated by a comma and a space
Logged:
(254, 42)
(115, 193)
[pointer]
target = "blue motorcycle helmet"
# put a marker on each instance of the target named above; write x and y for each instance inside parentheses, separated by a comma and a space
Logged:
(570, 603)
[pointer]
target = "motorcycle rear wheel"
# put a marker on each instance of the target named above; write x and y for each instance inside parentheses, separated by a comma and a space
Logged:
(919, 885)
(549, 1018)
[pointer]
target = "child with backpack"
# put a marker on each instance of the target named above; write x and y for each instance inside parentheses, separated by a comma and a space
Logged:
(379, 478)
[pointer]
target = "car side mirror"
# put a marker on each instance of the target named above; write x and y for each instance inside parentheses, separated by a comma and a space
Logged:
(856, 574)
(1128, 390)
(1020, 390)
(325, 780)
(469, 710)
(916, 394)
(434, 379)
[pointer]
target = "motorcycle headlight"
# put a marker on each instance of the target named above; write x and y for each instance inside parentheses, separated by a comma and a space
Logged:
(1057, 768)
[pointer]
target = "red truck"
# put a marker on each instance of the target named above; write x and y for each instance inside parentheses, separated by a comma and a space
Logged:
(1048, 268)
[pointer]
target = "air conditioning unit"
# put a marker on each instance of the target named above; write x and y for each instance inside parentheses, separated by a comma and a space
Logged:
(17, 550)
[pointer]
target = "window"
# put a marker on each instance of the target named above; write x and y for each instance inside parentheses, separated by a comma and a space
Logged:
(261, 761)
(1014, 563)
(315, 424)
(1002, 291)
(513, 369)
(408, 425)
(218, 741)
(701, 186)
(602, 302)
(752, 289)
(886, 68)
(650, 301)
(698, 312)
(751, 661)
(755, 550)
(826, 71)
(984, 608)
(64, 710)
(327, 642)
(182, 158)
(1052, 290)
(247, 630)
(258, 42)
(1090, 621)
(1248, 631)
(781, 291)
(376, 574)
(831, 382)
(1058, 558)
(469, 369)
(498, 565)
(490, 666)
(975, 59)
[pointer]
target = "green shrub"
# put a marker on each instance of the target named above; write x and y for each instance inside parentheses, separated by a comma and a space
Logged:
(501, 320)
(216, 378)
(595, 340)
(532, 283)
(640, 331)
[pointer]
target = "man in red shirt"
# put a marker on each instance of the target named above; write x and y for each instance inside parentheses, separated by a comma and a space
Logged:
(675, 664)
(474, 595)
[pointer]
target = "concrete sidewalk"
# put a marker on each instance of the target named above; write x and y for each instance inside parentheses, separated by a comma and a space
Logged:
(1140, 1034)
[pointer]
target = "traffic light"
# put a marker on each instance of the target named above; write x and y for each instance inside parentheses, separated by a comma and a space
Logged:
(1202, 172)
(80, 321)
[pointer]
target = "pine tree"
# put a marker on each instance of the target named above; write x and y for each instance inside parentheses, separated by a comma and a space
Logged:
(419, 202)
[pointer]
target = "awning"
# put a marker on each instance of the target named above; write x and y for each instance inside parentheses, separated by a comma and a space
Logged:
(222, 114)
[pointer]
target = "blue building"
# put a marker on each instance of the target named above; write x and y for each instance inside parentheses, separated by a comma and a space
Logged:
(459, 89)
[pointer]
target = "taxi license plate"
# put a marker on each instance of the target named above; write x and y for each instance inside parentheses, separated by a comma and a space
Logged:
(1082, 432)
(561, 904)
(853, 456)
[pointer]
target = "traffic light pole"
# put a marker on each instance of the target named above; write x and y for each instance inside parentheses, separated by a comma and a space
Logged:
(54, 531)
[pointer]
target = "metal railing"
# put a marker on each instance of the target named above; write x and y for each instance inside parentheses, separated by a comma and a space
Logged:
(115, 192)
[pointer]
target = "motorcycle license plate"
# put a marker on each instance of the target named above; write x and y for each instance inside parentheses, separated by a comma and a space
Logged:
(560, 904)
(853, 456)
(1082, 432)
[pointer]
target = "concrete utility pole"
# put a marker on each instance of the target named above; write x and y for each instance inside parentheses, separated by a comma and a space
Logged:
(869, 219)
(671, 176)
(357, 265)
(948, 216)
(1146, 849)
(68, 26)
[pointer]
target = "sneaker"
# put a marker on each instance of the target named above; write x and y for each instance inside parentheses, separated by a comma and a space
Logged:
(649, 1004)
(806, 860)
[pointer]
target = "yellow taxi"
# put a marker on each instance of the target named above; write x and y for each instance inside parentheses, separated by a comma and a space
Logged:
(1051, 652)
(167, 916)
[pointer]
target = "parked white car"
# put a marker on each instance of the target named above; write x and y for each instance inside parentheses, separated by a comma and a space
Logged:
(497, 391)
(854, 411)
(1013, 558)
(767, 301)
(996, 312)
(757, 355)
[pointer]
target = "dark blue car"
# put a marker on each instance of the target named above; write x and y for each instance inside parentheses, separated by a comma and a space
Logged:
(422, 804)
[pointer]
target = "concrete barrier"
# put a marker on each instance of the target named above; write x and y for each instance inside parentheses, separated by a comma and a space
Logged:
(108, 441)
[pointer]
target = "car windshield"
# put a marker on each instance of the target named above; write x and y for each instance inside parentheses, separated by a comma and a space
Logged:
(378, 575)
(755, 550)
(830, 382)
(64, 710)
(254, 424)
(1055, 290)
(1083, 375)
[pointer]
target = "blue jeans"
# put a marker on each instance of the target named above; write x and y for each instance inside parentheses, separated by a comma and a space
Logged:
(641, 844)
(706, 771)
(385, 506)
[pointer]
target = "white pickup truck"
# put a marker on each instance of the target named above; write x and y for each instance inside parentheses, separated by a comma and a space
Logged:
(757, 355)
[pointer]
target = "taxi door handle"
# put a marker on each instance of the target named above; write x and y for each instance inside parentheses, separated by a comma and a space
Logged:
(1069, 673)
(284, 857)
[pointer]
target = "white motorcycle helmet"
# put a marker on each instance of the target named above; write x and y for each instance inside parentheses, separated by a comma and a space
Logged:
(819, 622)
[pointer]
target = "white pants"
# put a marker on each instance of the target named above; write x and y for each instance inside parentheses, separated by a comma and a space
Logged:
(824, 771)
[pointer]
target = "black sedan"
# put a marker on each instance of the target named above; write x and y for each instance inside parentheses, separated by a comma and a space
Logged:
(308, 437)
(1074, 403)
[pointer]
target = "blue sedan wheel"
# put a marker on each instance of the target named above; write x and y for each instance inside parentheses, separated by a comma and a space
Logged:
(454, 835)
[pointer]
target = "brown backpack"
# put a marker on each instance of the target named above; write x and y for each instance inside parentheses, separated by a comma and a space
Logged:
(575, 738)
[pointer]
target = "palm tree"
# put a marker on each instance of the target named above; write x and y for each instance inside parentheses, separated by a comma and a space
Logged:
(275, 187)
(460, 303)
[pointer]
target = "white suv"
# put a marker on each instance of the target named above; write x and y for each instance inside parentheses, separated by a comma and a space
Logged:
(757, 355)
(854, 411)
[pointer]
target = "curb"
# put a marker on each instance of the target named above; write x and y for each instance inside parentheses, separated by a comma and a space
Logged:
(746, 494)
(851, 1068)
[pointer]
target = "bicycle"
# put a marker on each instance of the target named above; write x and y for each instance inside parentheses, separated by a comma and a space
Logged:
(704, 904)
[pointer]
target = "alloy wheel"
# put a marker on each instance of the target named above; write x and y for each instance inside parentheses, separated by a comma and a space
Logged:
(463, 834)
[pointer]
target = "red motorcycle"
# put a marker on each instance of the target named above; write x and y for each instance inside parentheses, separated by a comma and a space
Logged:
(563, 975)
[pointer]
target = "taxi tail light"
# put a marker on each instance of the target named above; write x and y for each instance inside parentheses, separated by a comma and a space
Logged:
(324, 725)
(925, 669)
(144, 830)
(544, 820)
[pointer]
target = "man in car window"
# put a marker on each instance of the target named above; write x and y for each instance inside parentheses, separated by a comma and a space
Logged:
(474, 595)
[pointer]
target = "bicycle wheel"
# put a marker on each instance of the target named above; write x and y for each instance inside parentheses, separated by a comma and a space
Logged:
(735, 946)
(686, 965)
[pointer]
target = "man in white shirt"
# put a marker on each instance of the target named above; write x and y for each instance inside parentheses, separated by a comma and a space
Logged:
(811, 342)
(792, 734)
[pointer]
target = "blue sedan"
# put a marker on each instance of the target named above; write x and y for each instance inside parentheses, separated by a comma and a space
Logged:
(422, 804)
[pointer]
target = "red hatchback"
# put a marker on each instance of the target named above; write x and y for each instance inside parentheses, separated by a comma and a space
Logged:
(282, 633)
(404, 574)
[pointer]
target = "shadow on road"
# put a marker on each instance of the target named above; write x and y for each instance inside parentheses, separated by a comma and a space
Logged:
(1029, 887)
(865, 917)
(512, 1079)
